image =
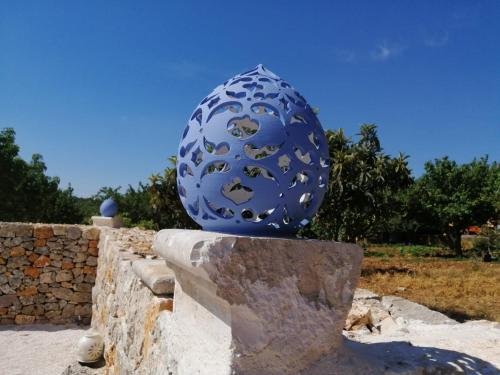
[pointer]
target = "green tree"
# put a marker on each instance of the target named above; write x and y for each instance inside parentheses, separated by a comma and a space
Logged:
(167, 207)
(27, 193)
(452, 197)
(362, 188)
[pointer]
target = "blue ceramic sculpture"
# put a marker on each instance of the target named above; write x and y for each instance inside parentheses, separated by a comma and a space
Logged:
(108, 208)
(253, 158)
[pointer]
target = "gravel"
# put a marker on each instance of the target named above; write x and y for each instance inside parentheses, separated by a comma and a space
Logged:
(40, 349)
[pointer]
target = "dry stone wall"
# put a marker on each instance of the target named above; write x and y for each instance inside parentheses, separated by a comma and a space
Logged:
(47, 273)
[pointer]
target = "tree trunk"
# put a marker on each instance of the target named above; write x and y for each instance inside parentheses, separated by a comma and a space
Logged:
(455, 242)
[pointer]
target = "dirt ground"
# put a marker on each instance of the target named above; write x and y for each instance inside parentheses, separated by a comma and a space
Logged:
(38, 349)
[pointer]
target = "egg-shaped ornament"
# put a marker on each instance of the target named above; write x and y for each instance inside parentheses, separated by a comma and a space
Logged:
(253, 159)
(108, 208)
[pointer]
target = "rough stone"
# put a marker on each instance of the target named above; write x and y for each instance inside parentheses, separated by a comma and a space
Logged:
(47, 277)
(91, 261)
(91, 234)
(233, 298)
(32, 272)
(43, 231)
(8, 300)
(42, 261)
(29, 291)
(24, 319)
(398, 306)
(64, 275)
(73, 233)
(155, 274)
(17, 251)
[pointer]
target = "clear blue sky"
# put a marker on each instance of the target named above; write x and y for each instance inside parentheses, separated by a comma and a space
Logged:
(103, 89)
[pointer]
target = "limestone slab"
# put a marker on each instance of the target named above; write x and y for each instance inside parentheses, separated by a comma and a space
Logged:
(155, 274)
(253, 305)
(111, 222)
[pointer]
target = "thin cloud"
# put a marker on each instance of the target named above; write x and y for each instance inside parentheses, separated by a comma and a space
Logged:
(436, 41)
(384, 52)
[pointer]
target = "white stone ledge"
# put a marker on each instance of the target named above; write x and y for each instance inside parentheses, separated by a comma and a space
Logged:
(155, 274)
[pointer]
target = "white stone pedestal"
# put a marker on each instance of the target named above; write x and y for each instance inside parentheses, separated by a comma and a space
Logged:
(104, 221)
(247, 305)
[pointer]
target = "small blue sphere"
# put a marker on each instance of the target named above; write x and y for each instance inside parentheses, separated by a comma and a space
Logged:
(108, 208)
(253, 158)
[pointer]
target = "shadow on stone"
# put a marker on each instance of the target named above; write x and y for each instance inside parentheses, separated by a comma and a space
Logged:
(398, 357)
(78, 368)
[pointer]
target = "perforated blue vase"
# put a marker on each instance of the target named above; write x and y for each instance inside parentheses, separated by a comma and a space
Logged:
(253, 159)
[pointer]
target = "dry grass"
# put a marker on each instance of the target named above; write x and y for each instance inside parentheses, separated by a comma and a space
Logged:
(461, 289)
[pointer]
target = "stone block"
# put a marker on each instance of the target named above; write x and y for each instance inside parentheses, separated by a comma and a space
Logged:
(24, 319)
(28, 291)
(41, 261)
(8, 300)
(247, 305)
(32, 272)
(91, 234)
(43, 232)
(111, 222)
(64, 275)
(17, 251)
(155, 274)
(73, 233)
(400, 307)
(59, 230)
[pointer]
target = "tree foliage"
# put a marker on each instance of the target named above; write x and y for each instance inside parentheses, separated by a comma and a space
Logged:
(27, 193)
(362, 189)
(167, 207)
(450, 197)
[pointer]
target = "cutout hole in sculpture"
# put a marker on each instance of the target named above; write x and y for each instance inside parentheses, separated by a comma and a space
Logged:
(262, 96)
(254, 171)
(186, 131)
(195, 208)
(210, 97)
(213, 102)
(185, 149)
(321, 182)
(306, 200)
(286, 218)
(253, 86)
(314, 140)
(185, 170)
(262, 108)
(233, 107)
(325, 163)
(256, 153)
(303, 157)
(216, 167)
(223, 212)
(212, 148)
(181, 190)
(301, 177)
(236, 95)
(197, 115)
(244, 79)
(274, 225)
(237, 192)
(249, 215)
(242, 127)
(285, 105)
(284, 163)
(298, 119)
(197, 157)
